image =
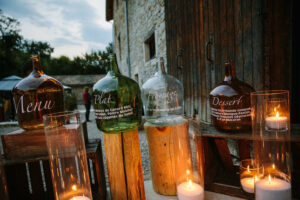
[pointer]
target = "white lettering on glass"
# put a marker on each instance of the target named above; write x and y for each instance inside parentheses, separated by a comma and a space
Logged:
(32, 106)
(102, 99)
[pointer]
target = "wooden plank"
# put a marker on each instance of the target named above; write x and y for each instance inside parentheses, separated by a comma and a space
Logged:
(198, 59)
(223, 32)
(230, 29)
(238, 27)
(219, 64)
(48, 180)
(280, 47)
(17, 181)
(115, 165)
(36, 180)
(244, 149)
(224, 153)
(24, 144)
(211, 163)
(161, 153)
(266, 43)
(207, 63)
(188, 88)
(257, 45)
(99, 172)
(194, 56)
(126, 179)
(202, 64)
(200, 157)
(133, 165)
(247, 41)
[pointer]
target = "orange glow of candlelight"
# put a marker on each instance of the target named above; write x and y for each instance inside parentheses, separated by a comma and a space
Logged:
(248, 169)
(277, 114)
(190, 182)
(270, 179)
(74, 187)
(273, 166)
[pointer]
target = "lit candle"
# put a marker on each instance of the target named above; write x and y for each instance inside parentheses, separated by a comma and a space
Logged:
(190, 191)
(80, 198)
(248, 184)
(276, 122)
(272, 189)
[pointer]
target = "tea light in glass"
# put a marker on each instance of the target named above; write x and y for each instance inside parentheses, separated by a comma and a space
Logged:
(189, 166)
(271, 144)
(67, 156)
(248, 175)
(277, 112)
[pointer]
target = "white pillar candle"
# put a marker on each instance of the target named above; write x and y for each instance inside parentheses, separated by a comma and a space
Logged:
(80, 198)
(248, 184)
(276, 122)
(272, 189)
(190, 191)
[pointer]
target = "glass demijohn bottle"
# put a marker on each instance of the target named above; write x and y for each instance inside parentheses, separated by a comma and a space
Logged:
(36, 95)
(117, 101)
(163, 98)
(230, 102)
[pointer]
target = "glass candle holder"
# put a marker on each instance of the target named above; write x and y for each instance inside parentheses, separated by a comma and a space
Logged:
(67, 156)
(189, 165)
(248, 176)
(271, 133)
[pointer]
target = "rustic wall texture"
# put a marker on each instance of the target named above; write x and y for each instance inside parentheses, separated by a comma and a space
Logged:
(144, 18)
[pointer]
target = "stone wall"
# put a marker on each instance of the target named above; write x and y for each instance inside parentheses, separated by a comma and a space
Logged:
(144, 17)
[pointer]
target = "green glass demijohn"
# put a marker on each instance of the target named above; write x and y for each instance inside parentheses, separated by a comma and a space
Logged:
(117, 102)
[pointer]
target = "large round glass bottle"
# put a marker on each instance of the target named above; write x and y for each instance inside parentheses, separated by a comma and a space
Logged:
(117, 102)
(162, 97)
(36, 95)
(230, 102)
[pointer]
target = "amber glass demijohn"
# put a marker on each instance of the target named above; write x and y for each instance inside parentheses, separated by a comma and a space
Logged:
(36, 95)
(230, 102)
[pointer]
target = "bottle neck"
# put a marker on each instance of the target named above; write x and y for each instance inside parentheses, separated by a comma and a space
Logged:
(162, 66)
(36, 65)
(229, 71)
(114, 69)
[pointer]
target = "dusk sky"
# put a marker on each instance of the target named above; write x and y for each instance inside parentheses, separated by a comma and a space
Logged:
(72, 27)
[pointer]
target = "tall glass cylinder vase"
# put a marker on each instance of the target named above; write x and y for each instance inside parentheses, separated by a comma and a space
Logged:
(270, 114)
(67, 155)
(189, 165)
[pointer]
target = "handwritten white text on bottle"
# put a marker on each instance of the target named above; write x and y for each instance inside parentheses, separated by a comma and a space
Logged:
(33, 106)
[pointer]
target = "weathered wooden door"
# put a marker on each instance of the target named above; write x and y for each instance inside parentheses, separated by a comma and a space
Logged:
(203, 34)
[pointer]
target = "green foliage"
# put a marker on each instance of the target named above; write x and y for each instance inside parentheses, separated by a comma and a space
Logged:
(15, 55)
(70, 101)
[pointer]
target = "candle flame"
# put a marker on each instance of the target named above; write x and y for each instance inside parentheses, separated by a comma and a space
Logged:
(273, 166)
(74, 187)
(255, 178)
(277, 114)
(248, 168)
(187, 172)
(190, 182)
(269, 179)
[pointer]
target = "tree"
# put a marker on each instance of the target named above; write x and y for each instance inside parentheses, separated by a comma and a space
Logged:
(15, 52)
(10, 41)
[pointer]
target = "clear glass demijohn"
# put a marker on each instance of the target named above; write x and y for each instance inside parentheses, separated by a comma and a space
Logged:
(162, 97)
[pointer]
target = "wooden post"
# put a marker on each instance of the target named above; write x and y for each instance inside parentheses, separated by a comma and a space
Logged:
(162, 158)
(124, 165)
